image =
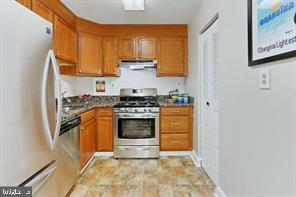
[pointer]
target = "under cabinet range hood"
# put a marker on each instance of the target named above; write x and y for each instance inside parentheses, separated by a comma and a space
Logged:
(138, 64)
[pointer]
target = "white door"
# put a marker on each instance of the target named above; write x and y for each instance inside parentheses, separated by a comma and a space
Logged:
(210, 101)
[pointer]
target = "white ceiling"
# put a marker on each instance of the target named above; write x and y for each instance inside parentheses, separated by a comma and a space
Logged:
(156, 11)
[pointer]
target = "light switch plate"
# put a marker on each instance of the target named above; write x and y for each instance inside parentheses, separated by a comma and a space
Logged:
(264, 79)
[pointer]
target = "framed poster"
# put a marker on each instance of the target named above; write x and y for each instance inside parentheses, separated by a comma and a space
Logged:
(271, 30)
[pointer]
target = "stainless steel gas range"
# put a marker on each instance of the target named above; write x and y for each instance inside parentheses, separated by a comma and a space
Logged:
(136, 119)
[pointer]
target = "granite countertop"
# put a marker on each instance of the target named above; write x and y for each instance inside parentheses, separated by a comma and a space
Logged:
(163, 103)
(79, 106)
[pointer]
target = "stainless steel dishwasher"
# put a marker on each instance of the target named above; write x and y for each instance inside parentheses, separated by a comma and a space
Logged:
(68, 154)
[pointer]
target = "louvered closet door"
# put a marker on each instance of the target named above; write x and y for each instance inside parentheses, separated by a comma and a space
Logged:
(210, 101)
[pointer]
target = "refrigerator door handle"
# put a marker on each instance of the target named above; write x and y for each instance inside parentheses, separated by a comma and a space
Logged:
(38, 179)
(50, 60)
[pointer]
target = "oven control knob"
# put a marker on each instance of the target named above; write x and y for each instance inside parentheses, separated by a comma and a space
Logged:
(150, 110)
(136, 110)
(145, 110)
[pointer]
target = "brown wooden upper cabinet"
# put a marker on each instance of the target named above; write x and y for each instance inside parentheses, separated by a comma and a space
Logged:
(110, 56)
(65, 40)
(26, 3)
(127, 48)
(172, 56)
(137, 48)
(90, 54)
(146, 48)
(42, 10)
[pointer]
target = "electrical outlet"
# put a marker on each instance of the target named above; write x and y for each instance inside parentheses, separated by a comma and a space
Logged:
(264, 79)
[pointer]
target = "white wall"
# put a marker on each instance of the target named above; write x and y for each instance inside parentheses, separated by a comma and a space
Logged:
(76, 85)
(257, 127)
(128, 79)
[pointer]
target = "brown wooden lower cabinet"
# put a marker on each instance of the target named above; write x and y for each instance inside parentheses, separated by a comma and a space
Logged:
(87, 137)
(175, 141)
(96, 131)
(176, 128)
(104, 129)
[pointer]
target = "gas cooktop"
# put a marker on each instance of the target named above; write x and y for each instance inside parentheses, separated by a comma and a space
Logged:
(144, 103)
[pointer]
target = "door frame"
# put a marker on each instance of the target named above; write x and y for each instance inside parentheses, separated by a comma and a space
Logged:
(200, 133)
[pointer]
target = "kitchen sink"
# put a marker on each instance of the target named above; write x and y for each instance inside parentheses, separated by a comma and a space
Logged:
(67, 109)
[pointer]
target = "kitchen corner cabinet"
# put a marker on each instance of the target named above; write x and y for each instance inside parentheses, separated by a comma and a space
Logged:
(65, 40)
(90, 54)
(172, 56)
(104, 130)
(176, 128)
(42, 10)
(110, 56)
(87, 137)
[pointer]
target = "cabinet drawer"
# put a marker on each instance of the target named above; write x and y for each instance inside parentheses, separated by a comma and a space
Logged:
(105, 111)
(174, 124)
(86, 116)
(174, 142)
(175, 111)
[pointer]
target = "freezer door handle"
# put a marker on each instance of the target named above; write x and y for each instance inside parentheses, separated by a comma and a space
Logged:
(38, 179)
(50, 60)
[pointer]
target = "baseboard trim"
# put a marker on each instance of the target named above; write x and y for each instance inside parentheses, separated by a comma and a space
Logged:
(196, 159)
(87, 164)
(104, 154)
(219, 192)
(174, 153)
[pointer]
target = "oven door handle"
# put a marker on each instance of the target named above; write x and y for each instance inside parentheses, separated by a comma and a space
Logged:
(140, 116)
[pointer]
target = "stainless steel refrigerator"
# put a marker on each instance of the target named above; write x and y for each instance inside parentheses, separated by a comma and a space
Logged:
(30, 101)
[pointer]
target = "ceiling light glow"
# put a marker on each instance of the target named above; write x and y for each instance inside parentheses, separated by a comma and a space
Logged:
(133, 5)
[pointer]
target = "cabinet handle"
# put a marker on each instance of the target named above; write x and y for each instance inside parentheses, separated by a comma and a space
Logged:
(175, 124)
(175, 111)
(82, 128)
(175, 142)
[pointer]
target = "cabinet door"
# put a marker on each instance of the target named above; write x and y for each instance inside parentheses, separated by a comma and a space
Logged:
(90, 54)
(104, 134)
(127, 48)
(92, 138)
(84, 144)
(174, 142)
(42, 10)
(65, 40)
(147, 48)
(86, 141)
(110, 56)
(171, 61)
(26, 3)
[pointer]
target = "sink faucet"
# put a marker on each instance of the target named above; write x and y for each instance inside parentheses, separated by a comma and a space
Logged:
(63, 93)
(65, 98)
(173, 91)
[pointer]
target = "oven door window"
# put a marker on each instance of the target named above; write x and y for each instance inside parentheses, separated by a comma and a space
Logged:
(136, 128)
